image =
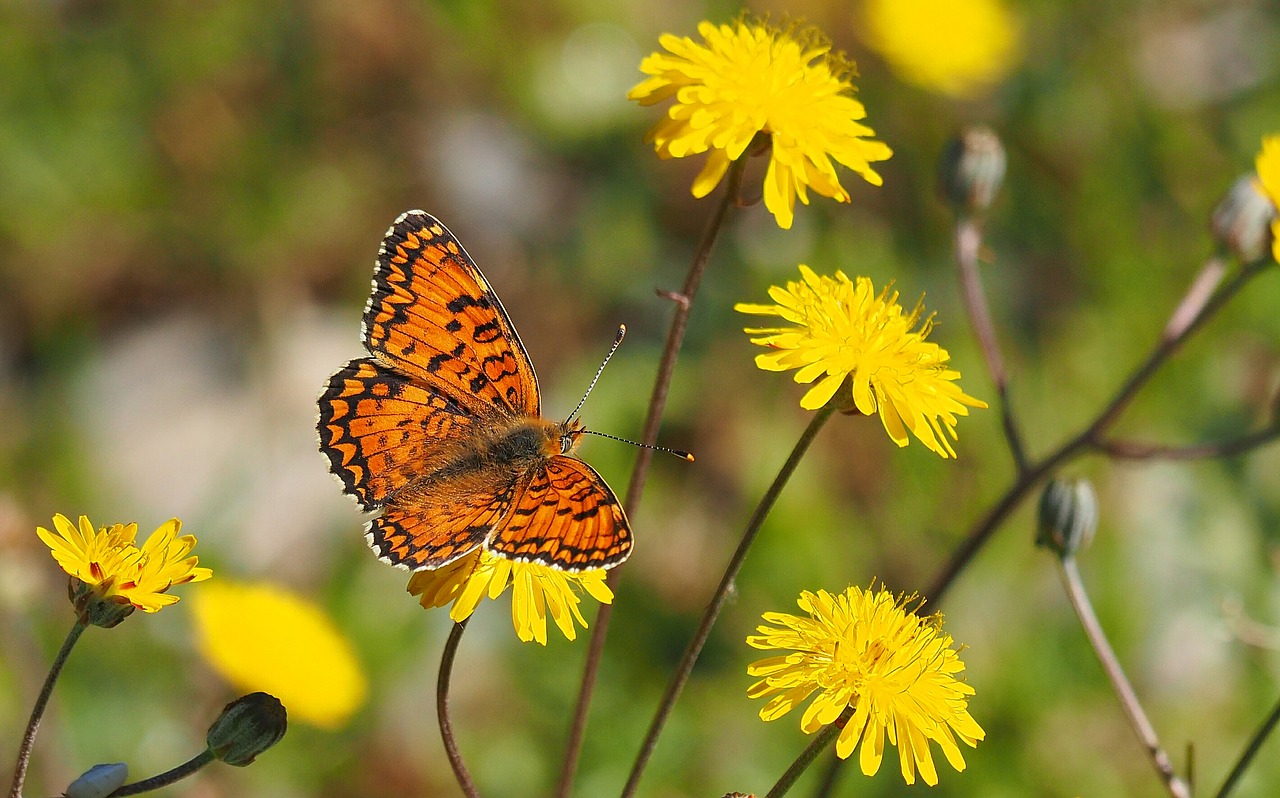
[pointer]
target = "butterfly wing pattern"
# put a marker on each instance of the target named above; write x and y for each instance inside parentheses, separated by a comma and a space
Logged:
(440, 428)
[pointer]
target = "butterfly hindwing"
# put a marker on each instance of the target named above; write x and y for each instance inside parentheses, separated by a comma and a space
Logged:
(567, 517)
(381, 431)
(433, 316)
(431, 525)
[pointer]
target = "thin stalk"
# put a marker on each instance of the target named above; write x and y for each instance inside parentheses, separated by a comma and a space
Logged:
(168, 777)
(1249, 752)
(42, 702)
(683, 302)
(691, 653)
(1193, 311)
(1142, 727)
(823, 739)
(968, 242)
(442, 711)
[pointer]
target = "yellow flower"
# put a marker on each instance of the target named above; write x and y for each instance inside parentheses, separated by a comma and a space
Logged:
(261, 637)
(1268, 165)
(114, 569)
(952, 48)
(846, 331)
(868, 651)
(538, 590)
(750, 78)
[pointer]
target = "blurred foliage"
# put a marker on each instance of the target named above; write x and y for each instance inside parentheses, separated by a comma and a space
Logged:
(191, 197)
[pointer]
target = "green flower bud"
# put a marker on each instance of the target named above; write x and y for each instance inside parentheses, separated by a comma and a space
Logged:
(247, 727)
(971, 169)
(1242, 221)
(1068, 516)
(98, 781)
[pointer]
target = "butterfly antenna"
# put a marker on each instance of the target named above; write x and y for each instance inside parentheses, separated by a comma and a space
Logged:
(617, 340)
(683, 455)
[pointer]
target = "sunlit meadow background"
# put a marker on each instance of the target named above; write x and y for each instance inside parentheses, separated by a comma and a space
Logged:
(191, 197)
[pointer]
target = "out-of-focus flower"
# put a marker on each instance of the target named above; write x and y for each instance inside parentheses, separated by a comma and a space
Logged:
(845, 331)
(536, 591)
(106, 566)
(953, 48)
(1268, 165)
(866, 650)
(263, 637)
(749, 79)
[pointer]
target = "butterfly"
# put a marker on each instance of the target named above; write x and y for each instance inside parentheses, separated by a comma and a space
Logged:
(440, 428)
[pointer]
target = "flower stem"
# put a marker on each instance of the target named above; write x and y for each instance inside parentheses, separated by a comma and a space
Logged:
(1193, 311)
(968, 239)
(168, 777)
(1074, 586)
(703, 631)
(1250, 751)
(42, 702)
(442, 711)
(639, 475)
(824, 738)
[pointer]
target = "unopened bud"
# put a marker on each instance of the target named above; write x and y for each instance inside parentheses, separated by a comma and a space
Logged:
(971, 169)
(1068, 516)
(98, 781)
(247, 727)
(1242, 221)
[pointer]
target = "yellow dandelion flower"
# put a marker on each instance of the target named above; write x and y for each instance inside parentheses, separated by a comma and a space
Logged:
(750, 78)
(955, 49)
(536, 591)
(868, 651)
(262, 637)
(114, 569)
(1268, 165)
(844, 330)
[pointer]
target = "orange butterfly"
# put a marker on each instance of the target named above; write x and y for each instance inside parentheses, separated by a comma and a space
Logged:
(441, 430)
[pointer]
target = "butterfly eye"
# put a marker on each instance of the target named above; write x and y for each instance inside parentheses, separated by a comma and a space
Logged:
(568, 441)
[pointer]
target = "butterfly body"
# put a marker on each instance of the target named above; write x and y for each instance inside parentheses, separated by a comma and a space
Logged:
(440, 428)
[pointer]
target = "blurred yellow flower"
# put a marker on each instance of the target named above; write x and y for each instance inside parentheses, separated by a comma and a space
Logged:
(113, 568)
(537, 590)
(262, 637)
(868, 651)
(952, 47)
(750, 78)
(1268, 165)
(845, 331)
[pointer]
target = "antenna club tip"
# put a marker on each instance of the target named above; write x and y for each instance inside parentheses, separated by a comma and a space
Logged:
(687, 456)
(622, 330)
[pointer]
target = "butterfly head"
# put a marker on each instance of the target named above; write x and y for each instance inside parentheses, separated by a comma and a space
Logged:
(570, 436)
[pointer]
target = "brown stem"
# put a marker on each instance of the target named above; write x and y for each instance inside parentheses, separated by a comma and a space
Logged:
(968, 242)
(442, 711)
(37, 711)
(694, 649)
(1192, 313)
(1115, 674)
(1139, 450)
(639, 475)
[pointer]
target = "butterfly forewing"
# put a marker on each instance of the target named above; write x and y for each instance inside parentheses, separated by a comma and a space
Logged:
(433, 316)
(566, 517)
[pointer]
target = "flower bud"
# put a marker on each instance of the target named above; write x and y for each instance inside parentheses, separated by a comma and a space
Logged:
(1242, 221)
(971, 169)
(98, 781)
(1068, 516)
(247, 726)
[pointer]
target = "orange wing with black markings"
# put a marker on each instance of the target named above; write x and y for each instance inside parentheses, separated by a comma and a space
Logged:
(433, 525)
(566, 517)
(381, 431)
(433, 316)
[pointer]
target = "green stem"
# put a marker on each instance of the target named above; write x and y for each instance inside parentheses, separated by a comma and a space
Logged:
(168, 777)
(42, 702)
(1142, 727)
(825, 737)
(681, 675)
(639, 475)
(1249, 752)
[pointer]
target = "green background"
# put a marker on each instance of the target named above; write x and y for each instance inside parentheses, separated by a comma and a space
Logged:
(191, 198)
